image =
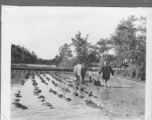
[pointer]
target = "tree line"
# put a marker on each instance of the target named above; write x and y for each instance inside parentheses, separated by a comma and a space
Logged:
(128, 43)
(19, 54)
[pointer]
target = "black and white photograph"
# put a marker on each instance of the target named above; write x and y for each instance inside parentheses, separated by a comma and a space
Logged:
(76, 63)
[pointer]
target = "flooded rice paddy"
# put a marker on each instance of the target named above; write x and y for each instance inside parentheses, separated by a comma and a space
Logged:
(42, 95)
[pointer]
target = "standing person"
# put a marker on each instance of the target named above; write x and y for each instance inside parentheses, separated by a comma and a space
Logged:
(106, 70)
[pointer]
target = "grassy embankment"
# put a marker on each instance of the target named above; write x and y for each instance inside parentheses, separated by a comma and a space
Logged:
(37, 67)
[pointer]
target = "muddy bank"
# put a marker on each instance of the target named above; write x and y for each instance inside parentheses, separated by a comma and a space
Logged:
(37, 67)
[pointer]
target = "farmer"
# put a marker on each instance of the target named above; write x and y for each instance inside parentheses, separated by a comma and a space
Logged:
(105, 70)
(80, 71)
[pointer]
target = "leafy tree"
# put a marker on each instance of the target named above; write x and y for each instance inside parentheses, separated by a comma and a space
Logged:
(92, 57)
(104, 45)
(125, 38)
(74, 61)
(81, 48)
(129, 41)
(65, 53)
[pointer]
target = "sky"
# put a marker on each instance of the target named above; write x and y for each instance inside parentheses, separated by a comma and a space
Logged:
(44, 29)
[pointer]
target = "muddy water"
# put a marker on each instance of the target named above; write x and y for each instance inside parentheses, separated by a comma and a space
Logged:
(51, 96)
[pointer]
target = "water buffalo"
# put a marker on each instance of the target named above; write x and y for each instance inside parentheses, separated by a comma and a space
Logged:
(80, 71)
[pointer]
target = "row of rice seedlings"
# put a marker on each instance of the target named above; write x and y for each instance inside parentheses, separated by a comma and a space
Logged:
(48, 105)
(48, 78)
(37, 91)
(57, 85)
(72, 86)
(42, 80)
(59, 95)
(34, 83)
(16, 103)
(92, 104)
(61, 80)
(15, 73)
(27, 76)
(65, 78)
(65, 90)
(19, 73)
(44, 75)
(33, 74)
(19, 105)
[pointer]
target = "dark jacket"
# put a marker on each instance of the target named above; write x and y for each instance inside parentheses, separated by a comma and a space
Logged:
(106, 70)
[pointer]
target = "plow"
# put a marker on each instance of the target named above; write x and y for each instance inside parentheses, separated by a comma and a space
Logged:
(93, 79)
